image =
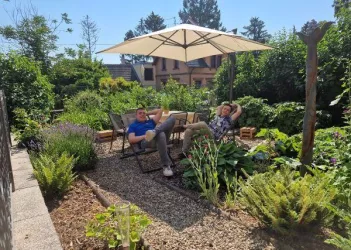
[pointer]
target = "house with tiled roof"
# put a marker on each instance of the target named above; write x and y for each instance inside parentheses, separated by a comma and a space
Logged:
(200, 72)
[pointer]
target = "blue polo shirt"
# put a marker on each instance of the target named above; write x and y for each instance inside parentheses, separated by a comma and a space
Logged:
(140, 128)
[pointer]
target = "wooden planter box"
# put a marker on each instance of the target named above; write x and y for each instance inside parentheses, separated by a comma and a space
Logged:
(247, 133)
(105, 135)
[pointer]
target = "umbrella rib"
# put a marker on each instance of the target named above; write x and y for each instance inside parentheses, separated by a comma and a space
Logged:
(195, 41)
(213, 44)
(162, 43)
(170, 42)
(175, 42)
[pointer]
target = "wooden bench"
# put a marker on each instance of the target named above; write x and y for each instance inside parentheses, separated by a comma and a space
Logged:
(247, 133)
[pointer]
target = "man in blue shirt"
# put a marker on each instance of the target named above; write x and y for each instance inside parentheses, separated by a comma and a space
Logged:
(145, 132)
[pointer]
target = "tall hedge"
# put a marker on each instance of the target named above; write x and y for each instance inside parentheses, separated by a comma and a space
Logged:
(25, 86)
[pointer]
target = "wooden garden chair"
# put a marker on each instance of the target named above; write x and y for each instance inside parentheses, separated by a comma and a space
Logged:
(124, 121)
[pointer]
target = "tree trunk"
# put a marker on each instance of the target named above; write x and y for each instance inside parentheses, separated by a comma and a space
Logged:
(309, 119)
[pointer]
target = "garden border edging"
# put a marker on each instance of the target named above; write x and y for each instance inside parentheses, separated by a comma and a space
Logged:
(32, 225)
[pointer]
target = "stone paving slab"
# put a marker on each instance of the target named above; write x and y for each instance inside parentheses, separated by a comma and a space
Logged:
(27, 203)
(32, 226)
(36, 233)
(25, 179)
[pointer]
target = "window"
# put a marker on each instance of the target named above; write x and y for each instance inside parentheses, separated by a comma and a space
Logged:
(213, 61)
(164, 64)
(219, 61)
(176, 64)
(197, 84)
(149, 74)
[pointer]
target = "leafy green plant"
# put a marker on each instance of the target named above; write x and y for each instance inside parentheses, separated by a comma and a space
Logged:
(230, 159)
(256, 113)
(165, 102)
(105, 226)
(26, 129)
(232, 190)
(74, 139)
(25, 87)
(204, 161)
(285, 201)
(54, 173)
(185, 98)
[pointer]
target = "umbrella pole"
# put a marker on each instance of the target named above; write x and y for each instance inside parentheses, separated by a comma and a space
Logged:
(231, 64)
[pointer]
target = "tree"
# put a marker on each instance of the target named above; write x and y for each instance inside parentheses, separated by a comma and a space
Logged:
(90, 34)
(151, 23)
(203, 12)
(154, 23)
(25, 86)
(256, 31)
(338, 4)
(71, 75)
(34, 35)
(309, 26)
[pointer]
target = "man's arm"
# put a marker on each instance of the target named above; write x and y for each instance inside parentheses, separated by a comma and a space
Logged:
(219, 110)
(157, 113)
(237, 113)
(135, 139)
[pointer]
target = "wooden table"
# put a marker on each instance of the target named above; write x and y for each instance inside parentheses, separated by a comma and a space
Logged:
(165, 116)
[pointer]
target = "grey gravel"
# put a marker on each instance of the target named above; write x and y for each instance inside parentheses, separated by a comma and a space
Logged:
(178, 222)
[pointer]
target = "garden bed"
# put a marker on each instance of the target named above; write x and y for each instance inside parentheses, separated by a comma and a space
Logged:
(180, 222)
(71, 214)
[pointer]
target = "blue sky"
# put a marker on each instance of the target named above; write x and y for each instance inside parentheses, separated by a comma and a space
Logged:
(116, 17)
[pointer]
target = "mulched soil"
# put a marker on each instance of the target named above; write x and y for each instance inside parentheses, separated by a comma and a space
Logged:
(71, 214)
(178, 221)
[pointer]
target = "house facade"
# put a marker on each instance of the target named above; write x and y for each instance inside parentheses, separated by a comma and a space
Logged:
(200, 72)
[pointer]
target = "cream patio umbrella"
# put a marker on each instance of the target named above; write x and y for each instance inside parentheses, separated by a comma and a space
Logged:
(186, 42)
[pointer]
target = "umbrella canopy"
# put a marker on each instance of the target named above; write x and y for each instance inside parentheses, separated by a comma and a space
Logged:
(185, 42)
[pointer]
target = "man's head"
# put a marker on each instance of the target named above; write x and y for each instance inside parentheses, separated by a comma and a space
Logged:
(226, 110)
(141, 115)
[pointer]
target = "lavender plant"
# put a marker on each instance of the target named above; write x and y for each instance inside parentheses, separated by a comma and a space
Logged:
(76, 140)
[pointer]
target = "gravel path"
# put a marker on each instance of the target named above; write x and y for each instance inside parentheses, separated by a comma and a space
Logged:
(178, 222)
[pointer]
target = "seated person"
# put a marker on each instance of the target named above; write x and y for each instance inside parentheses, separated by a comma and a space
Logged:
(145, 132)
(215, 128)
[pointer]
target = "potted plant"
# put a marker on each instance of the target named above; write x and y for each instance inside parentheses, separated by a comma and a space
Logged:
(165, 104)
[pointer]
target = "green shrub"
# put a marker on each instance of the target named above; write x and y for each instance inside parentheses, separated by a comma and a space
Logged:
(26, 129)
(255, 112)
(285, 201)
(95, 119)
(288, 117)
(74, 139)
(230, 159)
(105, 226)
(54, 173)
(86, 108)
(73, 75)
(185, 98)
(25, 87)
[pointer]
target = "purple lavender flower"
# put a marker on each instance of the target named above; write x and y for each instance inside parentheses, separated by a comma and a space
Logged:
(333, 161)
